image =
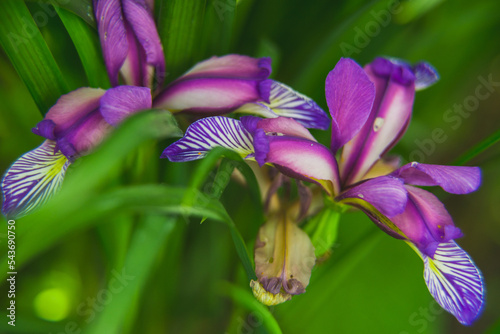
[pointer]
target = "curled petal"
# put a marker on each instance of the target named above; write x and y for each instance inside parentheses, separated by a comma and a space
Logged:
(122, 101)
(208, 133)
(305, 160)
(141, 21)
(33, 179)
(71, 108)
(453, 179)
(350, 95)
(112, 34)
(387, 194)
(455, 282)
(425, 221)
(387, 122)
(277, 126)
(425, 75)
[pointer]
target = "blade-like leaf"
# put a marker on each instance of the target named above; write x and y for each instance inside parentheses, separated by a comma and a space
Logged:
(146, 244)
(24, 45)
(87, 45)
(478, 149)
(82, 8)
(244, 298)
(179, 26)
(323, 230)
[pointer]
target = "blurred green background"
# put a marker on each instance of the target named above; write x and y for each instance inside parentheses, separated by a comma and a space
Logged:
(94, 265)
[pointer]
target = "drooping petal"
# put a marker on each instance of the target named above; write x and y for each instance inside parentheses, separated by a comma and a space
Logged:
(388, 120)
(425, 221)
(305, 160)
(425, 75)
(350, 95)
(113, 36)
(286, 102)
(122, 101)
(387, 194)
(73, 107)
(453, 179)
(284, 258)
(140, 19)
(454, 281)
(33, 179)
(208, 133)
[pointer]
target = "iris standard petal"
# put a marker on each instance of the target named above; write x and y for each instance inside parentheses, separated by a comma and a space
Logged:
(387, 194)
(454, 281)
(120, 102)
(208, 133)
(350, 95)
(425, 75)
(425, 221)
(305, 160)
(286, 102)
(33, 179)
(112, 34)
(387, 122)
(141, 21)
(453, 179)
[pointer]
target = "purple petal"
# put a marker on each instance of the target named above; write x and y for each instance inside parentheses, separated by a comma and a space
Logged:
(455, 282)
(286, 102)
(425, 75)
(32, 180)
(231, 66)
(453, 179)
(387, 194)
(387, 122)
(45, 129)
(349, 94)
(305, 160)
(208, 133)
(73, 107)
(208, 95)
(285, 126)
(120, 102)
(425, 221)
(112, 34)
(139, 16)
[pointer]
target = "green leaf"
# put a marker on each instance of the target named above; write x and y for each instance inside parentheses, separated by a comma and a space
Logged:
(82, 8)
(145, 247)
(323, 230)
(478, 149)
(30, 55)
(180, 27)
(218, 26)
(244, 298)
(87, 45)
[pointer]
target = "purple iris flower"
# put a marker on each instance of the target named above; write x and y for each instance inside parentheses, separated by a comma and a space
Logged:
(237, 83)
(130, 42)
(370, 110)
(72, 128)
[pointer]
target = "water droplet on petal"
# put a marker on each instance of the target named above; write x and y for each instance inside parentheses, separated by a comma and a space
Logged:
(361, 196)
(377, 125)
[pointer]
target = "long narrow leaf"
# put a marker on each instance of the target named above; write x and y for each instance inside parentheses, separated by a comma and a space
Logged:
(478, 149)
(87, 45)
(24, 45)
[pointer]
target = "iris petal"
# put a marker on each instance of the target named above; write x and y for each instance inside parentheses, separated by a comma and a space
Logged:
(208, 133)
(455, 282)
(33, 179)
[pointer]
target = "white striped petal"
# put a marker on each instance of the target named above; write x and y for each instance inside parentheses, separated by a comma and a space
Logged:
(33, 179)
(455, 282)
(208, 133)
(286, 102)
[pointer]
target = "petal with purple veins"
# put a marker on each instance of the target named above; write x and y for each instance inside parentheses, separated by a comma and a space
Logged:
(208, 133)
(33, 179)
(350, 95)
(425, 75)
(454, 281)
